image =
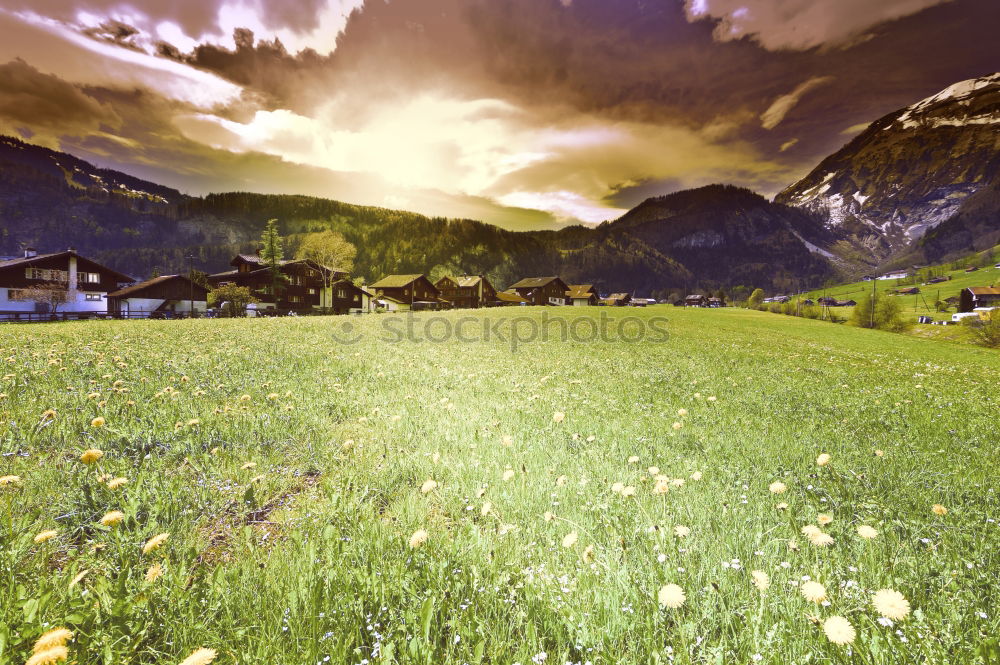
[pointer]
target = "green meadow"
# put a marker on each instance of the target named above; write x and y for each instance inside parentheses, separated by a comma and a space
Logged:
(290, 499)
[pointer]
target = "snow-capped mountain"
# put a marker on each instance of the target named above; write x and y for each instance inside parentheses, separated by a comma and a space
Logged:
(910, 170)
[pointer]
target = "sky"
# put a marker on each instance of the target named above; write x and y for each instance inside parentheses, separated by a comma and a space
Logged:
(527, 114)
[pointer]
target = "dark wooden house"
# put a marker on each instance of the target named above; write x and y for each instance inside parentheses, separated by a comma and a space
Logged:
(302, 284)
(467, 291)
(349, 298)
(978, 296)
(158, 297)
(410, 291)
(695, 300)
(87, 283)
(618, 300)
(541, 290)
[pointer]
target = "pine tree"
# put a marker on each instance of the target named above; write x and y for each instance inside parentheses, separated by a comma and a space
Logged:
(271, 253)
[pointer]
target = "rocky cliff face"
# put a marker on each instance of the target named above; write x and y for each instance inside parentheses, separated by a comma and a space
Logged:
(910, 170)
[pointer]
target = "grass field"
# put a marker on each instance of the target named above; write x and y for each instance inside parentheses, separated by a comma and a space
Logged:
(573, 482)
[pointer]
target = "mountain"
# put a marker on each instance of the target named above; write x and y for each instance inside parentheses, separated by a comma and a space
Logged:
(910, 170)
(706, 238)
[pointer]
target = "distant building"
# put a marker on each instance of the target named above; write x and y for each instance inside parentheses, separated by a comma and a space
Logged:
(541, 290)
(346, 297)
(695, 300)
(467, 291)
(410, 292)
(581, 295)
(909, 291)
(978, 296)
(158, 297)
(618, 300)
(508, 298)
(302, 285)
(896, 274)
(87, 283)
(716, 302)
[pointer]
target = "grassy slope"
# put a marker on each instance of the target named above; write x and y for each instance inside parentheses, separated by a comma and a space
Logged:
(305, 554)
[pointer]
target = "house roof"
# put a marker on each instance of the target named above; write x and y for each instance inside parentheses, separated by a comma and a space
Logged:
(579, 291)
(618, 296)
(468, 280)
(27, 261)
(984, 290)
(348, 283)
(394, 281)
(390, 299)
(140, 286)
(509, 297)
(699, 296)
(532, 282)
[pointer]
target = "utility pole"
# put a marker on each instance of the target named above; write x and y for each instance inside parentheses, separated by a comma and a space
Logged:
(190, 258)
(871, 324)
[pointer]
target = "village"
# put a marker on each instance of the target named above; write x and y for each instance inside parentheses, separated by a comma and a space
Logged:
(65, 285)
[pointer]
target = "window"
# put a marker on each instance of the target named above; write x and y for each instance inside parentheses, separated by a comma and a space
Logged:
(294, 298)
(89, 278)
(92, 297)
(341, 293)
(15, 294)
(357, 298)
(47, 275)
(312, 291)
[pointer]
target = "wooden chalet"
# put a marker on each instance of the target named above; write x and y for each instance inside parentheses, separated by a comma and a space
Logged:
(467, 291)
(618, 300)
(975, 297)
(541, 290)
(410, 292)
(908, 291)
(86, 282)
(695, 300)
(302, 286)
(346, 297)
(716, 302)
(581, 295)
(159, 297)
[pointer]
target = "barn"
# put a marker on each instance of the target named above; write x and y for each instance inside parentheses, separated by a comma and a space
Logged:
(159, 297)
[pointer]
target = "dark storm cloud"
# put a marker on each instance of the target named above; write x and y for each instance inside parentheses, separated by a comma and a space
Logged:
(48, 105)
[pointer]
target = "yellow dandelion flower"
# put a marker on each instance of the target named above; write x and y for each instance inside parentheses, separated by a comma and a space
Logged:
(154, 573)
(677, 482)
(681, 531)
(273, 396)
(155, 542)
(823, 459)
(49, 414)
(682, 412)
(79, 578)
(558, 417)
(891, 604)
(418, 538)
(634, 459)
(814, 592)
(588, 553)
(661, 486)
(677, 425)
(867, 532)
(653, 470)
(112, 518)
(671, 595)
(777, 487)
(711, 398)
(561, 480)
(823, 519)
(56, 637)
(507, 440)
(46, 535)
(839, 630)
(428, 486)
(569, 540)
(696, 475)
(97, 422)
(760, 580)
(486, 509)
(781, 506)
(508, 474)
(548, 516)
(91, 455)
(810, 530)
(48, 656)
(249, 465)
(194, 422)
(244, 398)
(115, 483)
(628, 491)
(9, 480)
(200, 656)
(617, 487)
(879, 453)
(938, 509)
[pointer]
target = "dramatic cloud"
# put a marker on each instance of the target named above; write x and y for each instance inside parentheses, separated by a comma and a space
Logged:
(517, 112)
(780, 107)
(48, 107)
(801, 24)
